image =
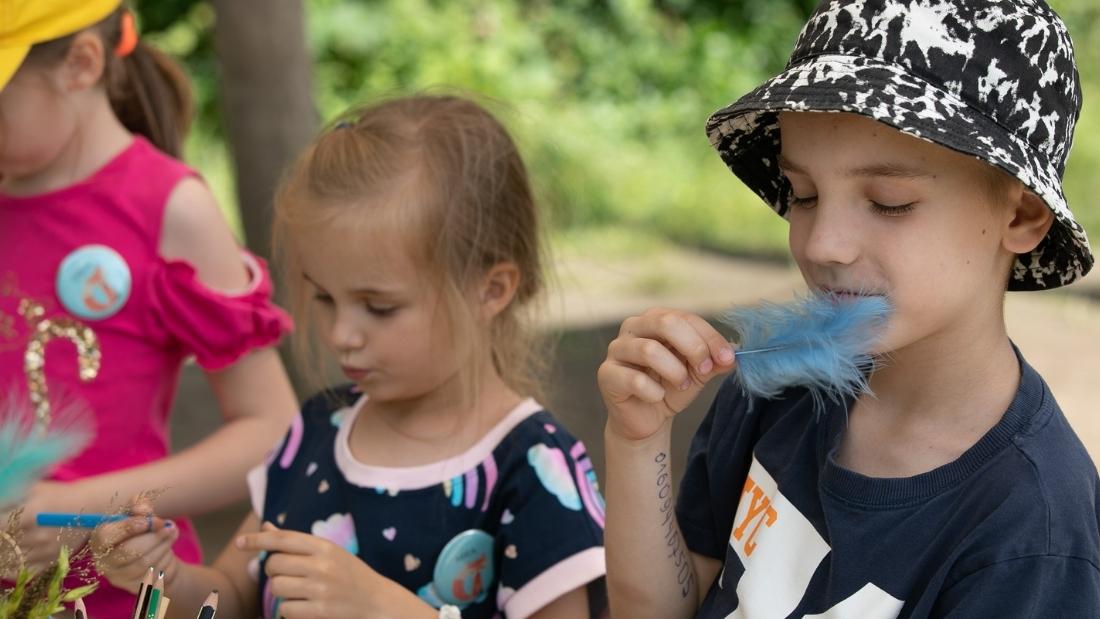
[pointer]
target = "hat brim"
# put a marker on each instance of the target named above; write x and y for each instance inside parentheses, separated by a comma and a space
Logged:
(746, 135)
(10, 59)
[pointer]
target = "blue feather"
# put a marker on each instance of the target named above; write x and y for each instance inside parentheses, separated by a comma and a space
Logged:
(26, 453)
(817, 341)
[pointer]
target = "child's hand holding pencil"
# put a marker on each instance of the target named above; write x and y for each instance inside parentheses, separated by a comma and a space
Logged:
(126, 549)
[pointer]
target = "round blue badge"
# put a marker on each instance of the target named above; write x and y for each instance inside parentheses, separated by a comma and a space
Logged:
(464, 570)
(93, 282)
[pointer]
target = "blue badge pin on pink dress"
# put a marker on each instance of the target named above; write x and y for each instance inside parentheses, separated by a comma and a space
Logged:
(93, 282)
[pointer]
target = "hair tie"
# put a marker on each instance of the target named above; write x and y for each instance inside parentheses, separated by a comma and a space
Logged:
(128, 36)
(343, 124)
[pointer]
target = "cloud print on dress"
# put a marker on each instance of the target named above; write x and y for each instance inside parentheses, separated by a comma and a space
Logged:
(338, 529)
(553, 471)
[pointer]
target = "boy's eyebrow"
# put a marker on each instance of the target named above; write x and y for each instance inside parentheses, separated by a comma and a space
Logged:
(892, 170)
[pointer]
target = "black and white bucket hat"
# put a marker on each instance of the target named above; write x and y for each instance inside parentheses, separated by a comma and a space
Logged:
(995, 79)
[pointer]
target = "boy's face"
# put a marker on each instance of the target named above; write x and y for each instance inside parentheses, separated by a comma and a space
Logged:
(877, 211)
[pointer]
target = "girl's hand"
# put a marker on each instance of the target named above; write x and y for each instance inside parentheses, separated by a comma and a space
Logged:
(317, 579)
(656, 367)
(125, 550)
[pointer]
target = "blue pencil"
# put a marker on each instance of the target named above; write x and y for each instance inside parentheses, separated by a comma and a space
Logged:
(76, 521)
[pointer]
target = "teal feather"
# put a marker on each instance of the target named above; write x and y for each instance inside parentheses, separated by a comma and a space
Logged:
(27, 453)
(818, 341)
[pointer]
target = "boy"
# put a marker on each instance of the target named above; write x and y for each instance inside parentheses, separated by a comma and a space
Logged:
(916, 148)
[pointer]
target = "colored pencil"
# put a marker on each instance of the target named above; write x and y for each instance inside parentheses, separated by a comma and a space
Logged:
(144, 590)
(75, 521)
(154, 599)
(210, 606)
(163, 608)
(80, 610)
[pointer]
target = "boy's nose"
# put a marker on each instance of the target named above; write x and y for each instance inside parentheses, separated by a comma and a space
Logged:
(832, 235)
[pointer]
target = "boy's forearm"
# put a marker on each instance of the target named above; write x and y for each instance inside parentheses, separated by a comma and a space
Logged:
(649, 569)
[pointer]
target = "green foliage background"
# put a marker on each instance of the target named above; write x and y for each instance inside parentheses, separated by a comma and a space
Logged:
(608, 97)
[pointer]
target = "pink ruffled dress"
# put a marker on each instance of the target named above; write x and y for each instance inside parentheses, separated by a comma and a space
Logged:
(80, 265)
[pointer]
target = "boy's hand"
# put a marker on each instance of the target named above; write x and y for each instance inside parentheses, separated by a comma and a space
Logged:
(315, 578)
(656, 367)
(125, 550)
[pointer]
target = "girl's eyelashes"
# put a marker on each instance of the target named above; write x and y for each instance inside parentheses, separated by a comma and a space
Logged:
(381, 311)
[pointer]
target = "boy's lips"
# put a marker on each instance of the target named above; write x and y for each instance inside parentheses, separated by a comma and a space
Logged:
(848, 293)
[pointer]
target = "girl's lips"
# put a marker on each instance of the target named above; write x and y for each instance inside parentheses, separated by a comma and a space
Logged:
(355, 374)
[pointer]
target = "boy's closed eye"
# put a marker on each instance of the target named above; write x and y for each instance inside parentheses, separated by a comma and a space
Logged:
(890, 209)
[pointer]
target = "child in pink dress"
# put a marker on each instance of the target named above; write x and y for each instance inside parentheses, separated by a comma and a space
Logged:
(116, 267)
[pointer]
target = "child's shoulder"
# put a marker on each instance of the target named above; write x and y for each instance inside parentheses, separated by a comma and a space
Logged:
(530, 428)
(325, 408)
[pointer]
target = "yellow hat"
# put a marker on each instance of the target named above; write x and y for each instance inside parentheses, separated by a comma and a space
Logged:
(26, 22)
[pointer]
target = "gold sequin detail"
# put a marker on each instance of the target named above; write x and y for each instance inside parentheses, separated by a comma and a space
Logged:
(34, 358)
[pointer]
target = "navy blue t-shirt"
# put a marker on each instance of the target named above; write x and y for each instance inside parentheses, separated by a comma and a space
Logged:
(1009, 529)
(500, 530)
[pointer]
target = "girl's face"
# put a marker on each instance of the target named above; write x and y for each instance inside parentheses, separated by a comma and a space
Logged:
(876, 211)
(379, 311)
(35, 122)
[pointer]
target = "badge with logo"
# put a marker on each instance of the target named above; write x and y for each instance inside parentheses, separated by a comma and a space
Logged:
(463, 572)
(93, 282)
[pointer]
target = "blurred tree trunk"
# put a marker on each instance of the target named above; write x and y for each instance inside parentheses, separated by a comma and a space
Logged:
(267, 97)
(267, 102)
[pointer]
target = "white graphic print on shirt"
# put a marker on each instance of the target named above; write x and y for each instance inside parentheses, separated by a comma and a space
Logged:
(780, 550)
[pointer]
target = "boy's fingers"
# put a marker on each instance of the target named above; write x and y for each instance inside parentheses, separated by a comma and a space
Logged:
(681, 331)
(720, 350)
(649, 354)
(621, 383)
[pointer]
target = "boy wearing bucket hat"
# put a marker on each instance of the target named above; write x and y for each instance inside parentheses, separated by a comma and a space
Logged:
(113, 256)
(916, 148)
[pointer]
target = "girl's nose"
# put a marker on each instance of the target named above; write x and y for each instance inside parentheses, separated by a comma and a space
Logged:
(345, 335)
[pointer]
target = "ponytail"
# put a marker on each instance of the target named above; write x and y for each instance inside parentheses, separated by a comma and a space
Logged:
(149, 92)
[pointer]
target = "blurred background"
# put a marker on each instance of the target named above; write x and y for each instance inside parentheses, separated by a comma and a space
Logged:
(608, 100)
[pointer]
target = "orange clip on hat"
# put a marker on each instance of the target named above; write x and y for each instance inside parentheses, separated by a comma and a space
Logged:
(26, 22)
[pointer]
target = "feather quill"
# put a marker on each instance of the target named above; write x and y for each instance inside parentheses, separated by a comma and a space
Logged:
(818, 341)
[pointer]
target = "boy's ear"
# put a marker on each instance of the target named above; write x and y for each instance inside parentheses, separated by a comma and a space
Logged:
(497, 289)
(1028, 221)
(85, 61)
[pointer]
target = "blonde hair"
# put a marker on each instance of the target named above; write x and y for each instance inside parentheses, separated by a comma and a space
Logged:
(446, 172)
